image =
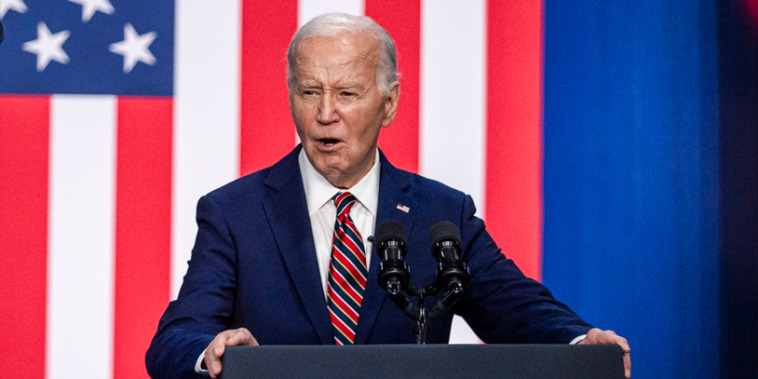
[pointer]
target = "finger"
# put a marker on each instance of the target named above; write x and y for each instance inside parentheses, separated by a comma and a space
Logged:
(621, 341)
(239, 336)
(607, 337)
(627, 365)
(253, 341)
(218, 345)
(212, 362)
(212, 353)
(594, 336)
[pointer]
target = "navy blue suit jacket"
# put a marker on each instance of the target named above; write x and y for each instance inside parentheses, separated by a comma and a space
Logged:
(254, 266)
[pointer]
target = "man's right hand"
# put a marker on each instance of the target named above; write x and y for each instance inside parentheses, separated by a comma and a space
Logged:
(216, 348)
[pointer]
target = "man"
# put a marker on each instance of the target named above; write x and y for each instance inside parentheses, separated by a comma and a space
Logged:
(282, 256)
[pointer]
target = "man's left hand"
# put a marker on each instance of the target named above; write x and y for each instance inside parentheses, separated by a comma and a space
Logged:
(607, 337)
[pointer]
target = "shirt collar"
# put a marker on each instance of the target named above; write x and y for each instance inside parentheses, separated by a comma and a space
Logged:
(318, 190)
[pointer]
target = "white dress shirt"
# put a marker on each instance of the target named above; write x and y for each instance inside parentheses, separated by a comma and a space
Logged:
(323, 212)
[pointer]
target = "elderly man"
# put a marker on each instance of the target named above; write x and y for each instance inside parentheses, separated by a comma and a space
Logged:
(282, 256)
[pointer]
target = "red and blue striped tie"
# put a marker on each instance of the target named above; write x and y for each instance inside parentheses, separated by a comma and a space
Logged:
(347, 273)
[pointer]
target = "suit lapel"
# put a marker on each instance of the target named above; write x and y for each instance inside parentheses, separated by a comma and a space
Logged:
(394, 204)
(287, 214)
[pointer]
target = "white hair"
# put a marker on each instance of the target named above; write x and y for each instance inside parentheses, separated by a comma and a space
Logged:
(335, 24)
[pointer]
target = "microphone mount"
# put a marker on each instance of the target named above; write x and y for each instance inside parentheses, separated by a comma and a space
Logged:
(394, 275)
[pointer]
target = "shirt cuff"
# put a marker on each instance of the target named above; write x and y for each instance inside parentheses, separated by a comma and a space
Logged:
(199, 365)
(573, 342)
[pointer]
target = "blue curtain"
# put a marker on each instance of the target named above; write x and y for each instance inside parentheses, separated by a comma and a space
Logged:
(631, 176)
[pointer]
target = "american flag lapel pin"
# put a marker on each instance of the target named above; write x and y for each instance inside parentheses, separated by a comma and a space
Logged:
(403, 208)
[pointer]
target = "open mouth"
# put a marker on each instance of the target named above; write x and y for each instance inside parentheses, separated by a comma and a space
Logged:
(328, 141)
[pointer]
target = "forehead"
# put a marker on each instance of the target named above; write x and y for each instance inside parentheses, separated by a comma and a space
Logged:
(343, 55)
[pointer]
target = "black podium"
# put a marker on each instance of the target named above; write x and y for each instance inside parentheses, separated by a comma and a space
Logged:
(424, 361)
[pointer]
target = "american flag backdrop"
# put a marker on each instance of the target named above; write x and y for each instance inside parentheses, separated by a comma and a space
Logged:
(116, 116)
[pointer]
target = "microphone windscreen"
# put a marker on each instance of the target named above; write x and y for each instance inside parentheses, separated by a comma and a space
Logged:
(444, 231)
(390, 230)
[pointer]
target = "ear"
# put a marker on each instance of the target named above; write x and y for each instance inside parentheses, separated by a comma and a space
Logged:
(390, 103)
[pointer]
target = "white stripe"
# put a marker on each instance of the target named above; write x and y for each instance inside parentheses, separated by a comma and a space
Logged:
(452, 129)
(336, 316)
(347, 283)
(353, 266)
(206, 131)
(333, 293)
(308, 9)
(81, 252)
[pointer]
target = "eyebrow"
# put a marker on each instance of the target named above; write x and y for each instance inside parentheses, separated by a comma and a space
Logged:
(341, 87)
(347, 85)
(308, 85)
(352, 87)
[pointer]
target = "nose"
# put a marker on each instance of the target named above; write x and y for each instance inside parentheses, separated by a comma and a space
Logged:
(327, 109)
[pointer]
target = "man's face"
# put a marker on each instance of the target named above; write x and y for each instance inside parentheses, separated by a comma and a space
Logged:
(337, 106)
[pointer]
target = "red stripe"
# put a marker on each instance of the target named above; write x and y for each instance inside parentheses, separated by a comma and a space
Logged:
(349, 225)
(513, 193)
(24, 169)
(346, 309)
(143, 228)
(352, 245)
(341, 327)
(266, 129)
(345, 286)
(345, 263)
(342, 255)
(402, 19)
(340, 198)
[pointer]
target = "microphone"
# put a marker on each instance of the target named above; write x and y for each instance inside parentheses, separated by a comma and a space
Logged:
(393, 273)
(452, 273)
(2, 32)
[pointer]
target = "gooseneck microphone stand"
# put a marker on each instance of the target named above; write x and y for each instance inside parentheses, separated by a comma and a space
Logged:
(394, 276)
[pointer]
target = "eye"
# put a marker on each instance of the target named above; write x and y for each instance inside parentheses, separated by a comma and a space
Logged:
(309, 92)
(349, 94)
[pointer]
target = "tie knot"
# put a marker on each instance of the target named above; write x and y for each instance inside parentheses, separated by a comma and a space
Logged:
(344, 201)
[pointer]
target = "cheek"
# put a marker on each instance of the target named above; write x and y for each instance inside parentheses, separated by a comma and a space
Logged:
(373, 123)
(302, 115)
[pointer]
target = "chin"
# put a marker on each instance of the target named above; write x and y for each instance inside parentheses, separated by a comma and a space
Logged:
(328, 170)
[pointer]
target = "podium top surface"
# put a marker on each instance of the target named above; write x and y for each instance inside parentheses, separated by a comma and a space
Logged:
(424, 361)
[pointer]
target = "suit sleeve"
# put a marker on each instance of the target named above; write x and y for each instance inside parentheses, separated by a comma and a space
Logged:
(205, 301)
(500, 303)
